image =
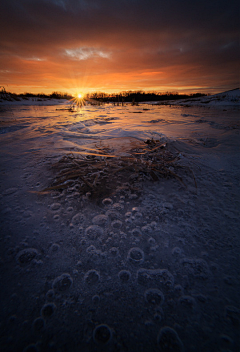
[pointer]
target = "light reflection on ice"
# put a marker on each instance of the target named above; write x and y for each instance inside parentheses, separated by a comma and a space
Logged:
(47, 130)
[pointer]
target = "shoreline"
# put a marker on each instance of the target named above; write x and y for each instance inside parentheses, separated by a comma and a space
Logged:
(229, 98)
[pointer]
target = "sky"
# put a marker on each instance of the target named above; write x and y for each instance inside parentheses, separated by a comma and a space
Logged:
(117, 45)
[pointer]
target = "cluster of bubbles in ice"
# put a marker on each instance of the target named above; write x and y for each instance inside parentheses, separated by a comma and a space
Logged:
(121, 249)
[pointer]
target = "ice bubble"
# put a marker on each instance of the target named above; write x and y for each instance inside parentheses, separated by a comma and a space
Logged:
(137, 216)
(48, 310)
(74, 195)
(136, 232)
(113, 215)
(27, 214)
(148, 323)
(94, 231)
(38, 324)
(91, 249)
(27, 255)
(107, 201)
(157, 317)
(97, 253)
(37, 262)
(124, 275)
(201, 298)
(178, 290)
(196, 267)
(62, 283)
(176, 251)
(55, 206)
(169, 341)
(136, 210)
(50, 295)
(114, 251)
(116, 224)
(133, 196)
(153, 224)
(154, 296)
(135, 255)
(100, 220)
(128, 221)
(148, 277)
(75, 272)
(118, 206)
(123, 235)
(102, 334)
(115, 236)
(96, 299)
(54, 247)
(78, 219)
(128, 214)
(92, 277)
(151, 241)
(146, 230)
(188, 303)
(226, 342)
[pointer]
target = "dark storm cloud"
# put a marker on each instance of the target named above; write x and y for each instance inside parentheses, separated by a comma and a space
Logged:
(144, 33)
(64, 20)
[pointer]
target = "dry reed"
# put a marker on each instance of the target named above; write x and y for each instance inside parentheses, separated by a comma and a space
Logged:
(99, 172)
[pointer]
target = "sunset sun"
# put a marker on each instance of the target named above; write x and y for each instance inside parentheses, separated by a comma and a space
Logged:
(78, 99)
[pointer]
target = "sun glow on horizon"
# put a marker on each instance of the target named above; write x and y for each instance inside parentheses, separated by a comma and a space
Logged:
(79, 94)
(79, 99)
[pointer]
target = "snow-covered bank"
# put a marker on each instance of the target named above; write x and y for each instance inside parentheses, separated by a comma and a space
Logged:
(30, 101)
(228, 98)
(154, 266)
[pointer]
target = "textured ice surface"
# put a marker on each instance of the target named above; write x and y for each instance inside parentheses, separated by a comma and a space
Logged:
(168, 340)
(150, 268)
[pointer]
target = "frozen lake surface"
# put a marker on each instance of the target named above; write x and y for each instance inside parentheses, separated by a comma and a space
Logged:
(149, 269)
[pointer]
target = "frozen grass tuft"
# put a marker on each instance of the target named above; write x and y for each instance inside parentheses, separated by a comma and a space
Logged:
(100, 172)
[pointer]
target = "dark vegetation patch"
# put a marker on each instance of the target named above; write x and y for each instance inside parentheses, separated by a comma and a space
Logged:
(102, 173)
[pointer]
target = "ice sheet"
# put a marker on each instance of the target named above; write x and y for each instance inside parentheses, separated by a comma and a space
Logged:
(135, 269)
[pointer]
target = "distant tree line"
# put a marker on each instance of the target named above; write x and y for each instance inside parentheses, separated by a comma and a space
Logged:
(133, 97)
(54, 95)
(140, 96)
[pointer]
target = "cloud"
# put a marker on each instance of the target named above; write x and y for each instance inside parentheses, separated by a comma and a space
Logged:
(33, 59)
(86, 53)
